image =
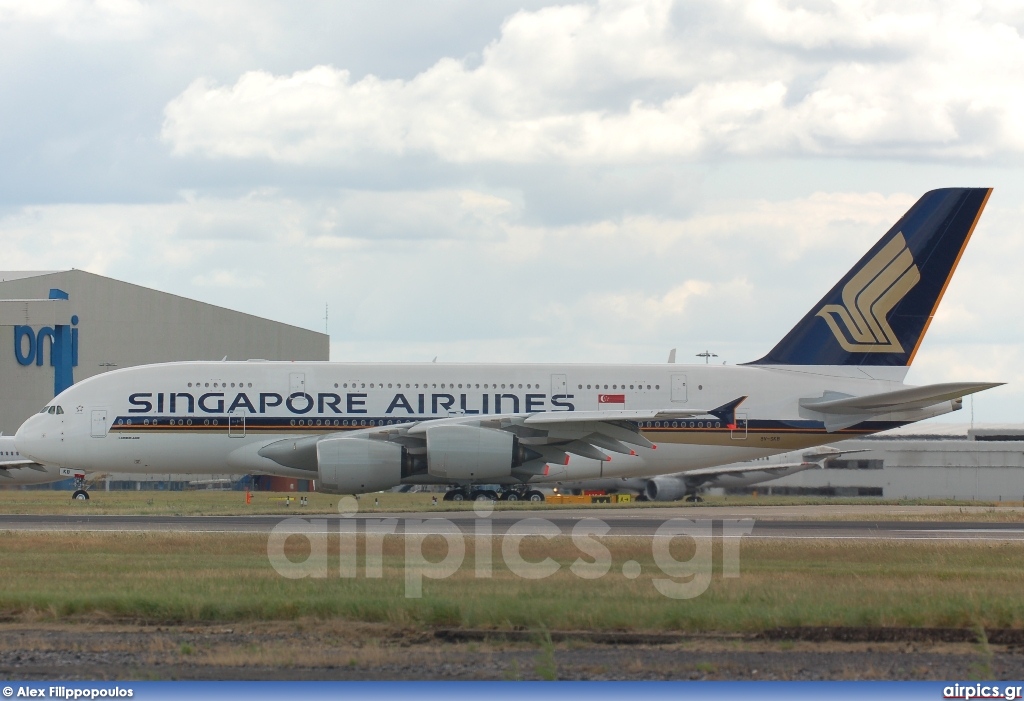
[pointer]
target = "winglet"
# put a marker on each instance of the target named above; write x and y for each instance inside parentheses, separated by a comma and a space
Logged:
(727, 412)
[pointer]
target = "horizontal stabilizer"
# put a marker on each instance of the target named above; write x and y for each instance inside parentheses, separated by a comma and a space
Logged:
(898, 400)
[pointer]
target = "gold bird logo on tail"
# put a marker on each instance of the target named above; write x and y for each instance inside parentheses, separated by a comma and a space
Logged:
(868, 298)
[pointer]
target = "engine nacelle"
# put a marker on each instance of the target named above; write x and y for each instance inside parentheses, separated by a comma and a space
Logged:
(357, 465)
(470, 453)
(665, 489)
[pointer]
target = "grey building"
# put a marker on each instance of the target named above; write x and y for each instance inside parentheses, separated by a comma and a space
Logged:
(90, 324)
(937, 461)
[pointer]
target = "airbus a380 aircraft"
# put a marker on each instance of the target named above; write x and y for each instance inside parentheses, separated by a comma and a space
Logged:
(360, 427)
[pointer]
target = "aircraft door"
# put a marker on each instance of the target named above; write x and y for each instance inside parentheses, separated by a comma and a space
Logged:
(99, 423)
(739, 433)
(559, 385)
(236, 423)
(679, 388)
(296, 383)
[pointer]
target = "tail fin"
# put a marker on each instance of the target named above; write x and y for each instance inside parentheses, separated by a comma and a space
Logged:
(879, 312)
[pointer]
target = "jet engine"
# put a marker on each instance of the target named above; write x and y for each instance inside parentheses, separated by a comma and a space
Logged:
(665, 489)
(356, 465)
(471, 453)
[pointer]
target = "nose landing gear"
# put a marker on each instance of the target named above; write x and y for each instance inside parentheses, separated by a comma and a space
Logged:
(80, 494)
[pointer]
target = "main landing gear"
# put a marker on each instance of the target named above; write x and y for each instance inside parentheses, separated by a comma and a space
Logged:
(522, 495)
(461, 494)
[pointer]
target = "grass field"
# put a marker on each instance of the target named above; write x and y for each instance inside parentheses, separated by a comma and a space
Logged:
(221, 503)
(184, 578)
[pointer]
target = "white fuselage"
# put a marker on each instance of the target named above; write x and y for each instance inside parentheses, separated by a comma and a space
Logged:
(209, 417)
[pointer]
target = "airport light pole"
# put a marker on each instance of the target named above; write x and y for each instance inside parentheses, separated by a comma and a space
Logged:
(707, 355)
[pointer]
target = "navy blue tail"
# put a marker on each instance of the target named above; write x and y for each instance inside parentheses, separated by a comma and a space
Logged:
(879, 312)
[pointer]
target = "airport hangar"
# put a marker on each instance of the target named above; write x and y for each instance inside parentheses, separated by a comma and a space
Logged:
(65, 326)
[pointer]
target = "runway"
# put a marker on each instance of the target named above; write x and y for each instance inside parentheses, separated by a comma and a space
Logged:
(620, 524)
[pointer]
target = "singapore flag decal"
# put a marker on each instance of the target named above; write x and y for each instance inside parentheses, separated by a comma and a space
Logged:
(611, 401)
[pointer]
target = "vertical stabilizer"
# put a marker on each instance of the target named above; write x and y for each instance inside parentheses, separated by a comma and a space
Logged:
(879, 312)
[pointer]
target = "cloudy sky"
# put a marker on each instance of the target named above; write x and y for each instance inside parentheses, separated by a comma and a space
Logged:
(520, 181)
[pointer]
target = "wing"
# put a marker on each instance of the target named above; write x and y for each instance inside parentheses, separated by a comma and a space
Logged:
(812, 457)
(550, 436)
(5, 464)
(741, 468)
(590, 434)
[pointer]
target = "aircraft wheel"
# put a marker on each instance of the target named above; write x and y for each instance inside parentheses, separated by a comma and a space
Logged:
(80, 495)
(458, 496)
(490, 495)
(534, 495)
(510, 496)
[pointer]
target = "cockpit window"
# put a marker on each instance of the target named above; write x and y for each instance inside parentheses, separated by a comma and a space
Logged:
(60, 409)
(51, 410)
(44, 410)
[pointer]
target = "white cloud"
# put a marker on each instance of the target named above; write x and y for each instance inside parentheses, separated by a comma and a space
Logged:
(634, 82)
(81, 19)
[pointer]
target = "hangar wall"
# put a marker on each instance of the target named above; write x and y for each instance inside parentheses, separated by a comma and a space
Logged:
(118, 324)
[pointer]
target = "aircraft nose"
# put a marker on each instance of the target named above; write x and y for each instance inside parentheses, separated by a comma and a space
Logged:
(33, 442)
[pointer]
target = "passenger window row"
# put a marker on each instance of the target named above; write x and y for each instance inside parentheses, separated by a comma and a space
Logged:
(619, 387)
(434, 385)
(222, 385)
